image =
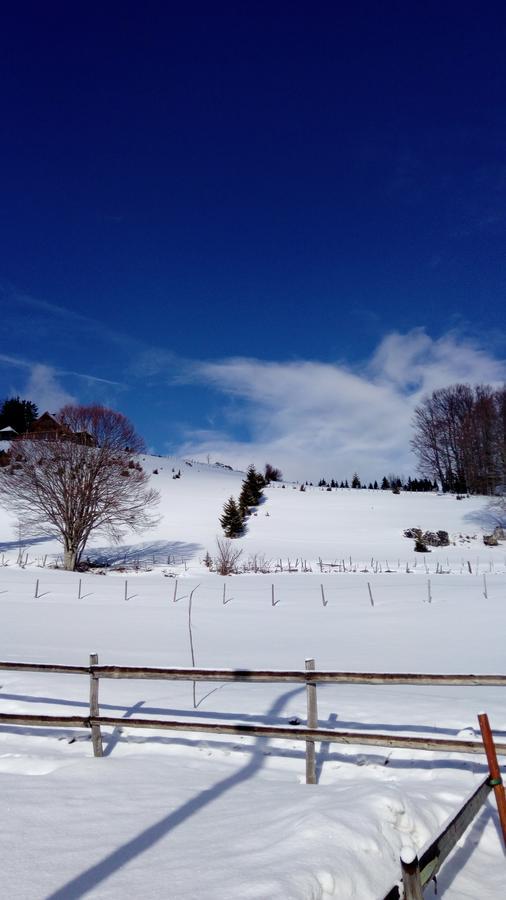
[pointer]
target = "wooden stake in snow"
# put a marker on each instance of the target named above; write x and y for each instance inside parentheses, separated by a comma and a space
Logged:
(192, 651)
(37, 589)
(175, 592)
(312, 722)
(126, 589)
(485, 593)
(323, 596)
(411, 880)
(96, 736)
(79, 590)
(370, 594)
(495, 773)
(429, 594)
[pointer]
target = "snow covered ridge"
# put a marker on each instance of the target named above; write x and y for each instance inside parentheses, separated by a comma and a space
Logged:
(225, 817)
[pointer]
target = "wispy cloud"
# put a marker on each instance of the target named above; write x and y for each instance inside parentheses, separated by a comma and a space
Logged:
(314, 418)
(21, 363)
(45, 390)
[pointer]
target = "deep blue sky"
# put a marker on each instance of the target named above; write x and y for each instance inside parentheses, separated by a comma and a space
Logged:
(278, 181)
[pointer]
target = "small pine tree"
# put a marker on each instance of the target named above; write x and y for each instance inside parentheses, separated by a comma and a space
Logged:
(375, 485)
(385, 484)
(355, 482)
(232, 520)
(251, 491)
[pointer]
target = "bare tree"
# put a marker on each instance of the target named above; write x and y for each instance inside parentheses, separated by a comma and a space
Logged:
(83, 481)
(227, 557)
(459, 437)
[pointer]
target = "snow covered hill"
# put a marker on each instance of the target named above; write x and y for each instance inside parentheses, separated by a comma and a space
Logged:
(290, 524)
(184, 816)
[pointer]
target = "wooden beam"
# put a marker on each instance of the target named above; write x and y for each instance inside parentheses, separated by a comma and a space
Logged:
(269, 731)
(280, 675)
(494, 771)
(433, 857)
(96, 736)
(312, 722)
(410, 868)
(44, 667)
(261, 675)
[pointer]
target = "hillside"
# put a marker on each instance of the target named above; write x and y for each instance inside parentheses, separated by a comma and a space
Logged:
(290, 524)
(192, 815)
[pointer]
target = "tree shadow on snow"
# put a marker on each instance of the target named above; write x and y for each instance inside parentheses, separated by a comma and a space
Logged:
(25, 542)
(156, 552)
(487, 518)
(94, 875)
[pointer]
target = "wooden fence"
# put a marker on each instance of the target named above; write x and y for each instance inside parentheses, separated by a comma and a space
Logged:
(416, 873)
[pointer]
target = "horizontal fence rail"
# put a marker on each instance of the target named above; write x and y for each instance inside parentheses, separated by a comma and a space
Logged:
(261, 676)
(269, 731)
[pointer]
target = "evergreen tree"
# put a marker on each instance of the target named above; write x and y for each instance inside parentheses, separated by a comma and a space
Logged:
(375, 485)
(232, 521)
(17, 414)
(251, 491)
(385, 484)
(355, 482)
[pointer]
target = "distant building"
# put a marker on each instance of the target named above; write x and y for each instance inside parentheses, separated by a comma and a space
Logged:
(47, 428)
(8, 434)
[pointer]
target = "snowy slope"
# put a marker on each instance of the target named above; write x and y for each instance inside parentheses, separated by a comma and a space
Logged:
(191, 816)
(308, 525)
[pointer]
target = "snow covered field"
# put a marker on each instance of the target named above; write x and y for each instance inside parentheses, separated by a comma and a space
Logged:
(186, 816)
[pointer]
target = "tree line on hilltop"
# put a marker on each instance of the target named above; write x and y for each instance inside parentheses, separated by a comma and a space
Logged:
(391, 483)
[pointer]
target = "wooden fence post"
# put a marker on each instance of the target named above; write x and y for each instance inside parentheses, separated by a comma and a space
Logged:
(411, 880)
(96, 735)
(312, 722)
(495, 772)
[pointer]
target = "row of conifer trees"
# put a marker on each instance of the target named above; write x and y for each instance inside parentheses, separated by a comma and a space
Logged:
(235, 512)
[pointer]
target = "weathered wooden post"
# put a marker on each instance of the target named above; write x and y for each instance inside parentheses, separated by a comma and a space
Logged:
(312, 722)
(495, 773)
(411, 880)
(96, 735)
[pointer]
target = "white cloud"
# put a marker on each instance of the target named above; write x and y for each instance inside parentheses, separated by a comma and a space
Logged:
(315, 419)
(43, 388)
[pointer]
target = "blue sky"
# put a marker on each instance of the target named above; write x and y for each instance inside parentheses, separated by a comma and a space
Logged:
(260, 232)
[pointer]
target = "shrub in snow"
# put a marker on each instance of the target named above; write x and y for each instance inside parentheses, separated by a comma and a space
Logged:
(272, 474)
(227, 557)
